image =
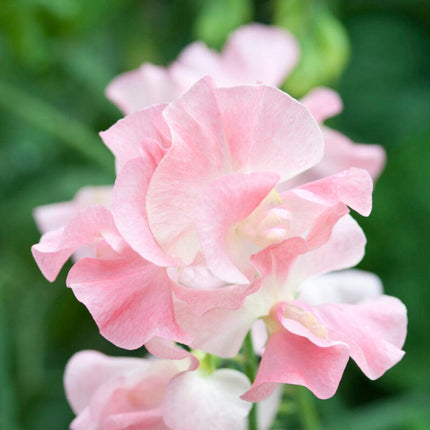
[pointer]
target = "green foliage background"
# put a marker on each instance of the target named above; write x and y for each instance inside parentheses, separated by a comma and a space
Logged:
(56, 57)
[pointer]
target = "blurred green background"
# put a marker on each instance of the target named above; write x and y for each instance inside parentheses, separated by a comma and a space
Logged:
(56, 57)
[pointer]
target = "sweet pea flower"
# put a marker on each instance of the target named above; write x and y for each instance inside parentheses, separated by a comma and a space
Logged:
(133, 393)
(120, 289)
(229, 149)
(252, 53)
(195, 198)
(310, 337)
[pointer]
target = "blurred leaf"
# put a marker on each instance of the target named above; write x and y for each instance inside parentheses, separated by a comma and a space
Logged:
(53, 121)
(218, 18)
(407, 412)
(324, 46)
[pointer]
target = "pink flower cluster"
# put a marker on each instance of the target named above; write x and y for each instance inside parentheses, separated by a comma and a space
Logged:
(230, 212)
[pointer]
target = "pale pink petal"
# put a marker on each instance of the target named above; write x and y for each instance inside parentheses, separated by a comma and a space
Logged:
(91, 225)
(118, 393)
(352, 187)
(130, 299)
(83, 422)
(197, 401)
(347, 286)
(227, 297)
(219, 331)
(267, 410)
(343, 250)
(145, 420)
(374, 330)
(294, 359)
(267, 130)
(86, 371)
(142, 134)
(222, 205)
(219, 131)
(129, 210)
(198, 154)
(54, 216)
(285, 266)
(134, 397)
(323, 103)
(164, 348)
(342, 153)
(195, 62)
(259, 336)
(260, 53)
(276, 260)
(140, 88)
(317, 206)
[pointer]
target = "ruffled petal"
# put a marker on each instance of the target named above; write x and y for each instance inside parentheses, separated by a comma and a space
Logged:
(374, 330)
(90, 226)
(86, 371)
(294, 359)
(140, 88)
(222, 205)
(129, 210)
(323, 103)
(347, 286)
(130, 300)
(220, 131)
(196, 401)
(260, 53)
(142, 134)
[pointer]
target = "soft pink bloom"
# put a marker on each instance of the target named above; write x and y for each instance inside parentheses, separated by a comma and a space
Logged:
(120, 289)
(131, 393)
(220, 168)
(253, 53)
(311, 337)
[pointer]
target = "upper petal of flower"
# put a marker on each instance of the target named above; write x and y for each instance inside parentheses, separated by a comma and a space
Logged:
(140, 88)
(142, 134)
(220, 131)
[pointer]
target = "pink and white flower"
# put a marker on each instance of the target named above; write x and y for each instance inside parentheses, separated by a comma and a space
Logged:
(132, 393)
(120, 289)
(193, 201)
(310, 338)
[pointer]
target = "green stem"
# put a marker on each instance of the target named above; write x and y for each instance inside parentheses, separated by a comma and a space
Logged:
(251, 365)
(307, 410)
(48, 118)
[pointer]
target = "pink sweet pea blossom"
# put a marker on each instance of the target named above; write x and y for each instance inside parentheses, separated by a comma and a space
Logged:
(221, 156)
(195, 198)
(119, 288)
(310, 340)
(132, 393)
(253, 53)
